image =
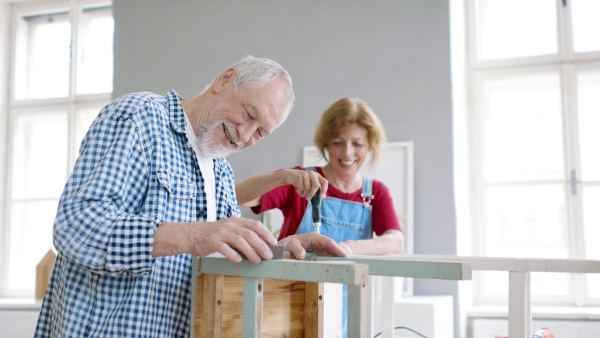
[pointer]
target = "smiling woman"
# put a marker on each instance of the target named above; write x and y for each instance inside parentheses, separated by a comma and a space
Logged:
(353, 207)
(347, 133)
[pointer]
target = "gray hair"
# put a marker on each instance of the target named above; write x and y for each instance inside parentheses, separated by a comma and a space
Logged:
(255, 72)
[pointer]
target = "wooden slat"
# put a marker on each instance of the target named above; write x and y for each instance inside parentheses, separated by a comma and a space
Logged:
(253, 308)
(196, 330)
(43, 270)
(380, 266)
(503, 263)
(212, 291)
(356, 311)
(370, 307)
(313, 310)
(346, 272)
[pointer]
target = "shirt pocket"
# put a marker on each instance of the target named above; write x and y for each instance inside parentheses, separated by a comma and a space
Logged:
(178, 186)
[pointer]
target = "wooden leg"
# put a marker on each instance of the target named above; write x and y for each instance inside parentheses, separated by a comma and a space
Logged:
(519, 304)
(371, 293)
(313, 310)
(253, 307)
(356, 311)
(387, 305)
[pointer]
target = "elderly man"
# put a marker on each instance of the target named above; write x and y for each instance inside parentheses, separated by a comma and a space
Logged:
(151, 188)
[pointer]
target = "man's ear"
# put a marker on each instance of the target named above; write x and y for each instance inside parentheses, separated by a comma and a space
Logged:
(224, 79)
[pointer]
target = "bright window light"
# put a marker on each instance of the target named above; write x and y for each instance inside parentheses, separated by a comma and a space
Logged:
(507, 28)
(589, 124)
(44, 56)
(95, 54)
(62, 64)
(585, 25)
(523, 117)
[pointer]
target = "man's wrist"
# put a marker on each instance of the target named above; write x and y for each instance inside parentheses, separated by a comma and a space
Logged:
(171, 239)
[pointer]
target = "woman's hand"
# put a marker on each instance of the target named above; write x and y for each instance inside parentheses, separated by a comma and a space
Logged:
(307, 182)
(250, 190)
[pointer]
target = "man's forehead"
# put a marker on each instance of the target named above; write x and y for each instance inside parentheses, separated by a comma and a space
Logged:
(271, 103)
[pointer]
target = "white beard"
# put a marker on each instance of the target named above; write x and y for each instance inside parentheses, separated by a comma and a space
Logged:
(208, 139)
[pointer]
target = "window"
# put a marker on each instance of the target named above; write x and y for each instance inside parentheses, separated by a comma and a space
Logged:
(62, 77)
(534, 95)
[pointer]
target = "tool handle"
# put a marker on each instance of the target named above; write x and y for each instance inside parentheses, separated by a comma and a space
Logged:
(315, 201)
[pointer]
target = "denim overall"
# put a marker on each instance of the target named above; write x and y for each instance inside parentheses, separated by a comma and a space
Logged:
(343, 220)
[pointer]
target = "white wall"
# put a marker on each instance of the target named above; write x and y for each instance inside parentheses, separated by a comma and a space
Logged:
(18, 324)
(395, 54)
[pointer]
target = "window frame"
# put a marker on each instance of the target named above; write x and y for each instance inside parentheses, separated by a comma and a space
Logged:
(17, 107)
(567, 64)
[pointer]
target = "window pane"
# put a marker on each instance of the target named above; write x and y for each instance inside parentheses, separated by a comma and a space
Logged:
(526, 221)
(43, 57)
(584, 15)
(516, 28)
(40, 155)
(30, 239)
(523, 137)
(95, 64)
(589, 123)
(591, 224)
(494, 284)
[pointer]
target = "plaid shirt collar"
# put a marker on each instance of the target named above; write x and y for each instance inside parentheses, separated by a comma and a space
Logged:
(176, 112)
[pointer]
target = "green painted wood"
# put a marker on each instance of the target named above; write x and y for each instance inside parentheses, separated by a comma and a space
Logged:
(356, 321)
(195, 270)
(509, 263)
(406, 268)
(253, 308)
(346, 272)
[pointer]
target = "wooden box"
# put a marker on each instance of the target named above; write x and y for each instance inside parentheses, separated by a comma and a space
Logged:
(290, 308)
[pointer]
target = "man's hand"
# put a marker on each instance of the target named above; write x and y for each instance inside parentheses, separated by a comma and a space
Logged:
(247, 236)
(314, 242)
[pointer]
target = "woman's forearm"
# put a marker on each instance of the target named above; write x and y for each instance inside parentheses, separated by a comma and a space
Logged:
(250, 190)
(391, 242)
(307, 182)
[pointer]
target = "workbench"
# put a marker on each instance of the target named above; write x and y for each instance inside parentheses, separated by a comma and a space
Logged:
(284, 298)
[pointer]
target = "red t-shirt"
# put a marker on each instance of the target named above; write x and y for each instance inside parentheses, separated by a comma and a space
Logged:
(293, 206)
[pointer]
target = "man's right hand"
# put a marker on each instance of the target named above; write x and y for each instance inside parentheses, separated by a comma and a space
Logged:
(250, 237)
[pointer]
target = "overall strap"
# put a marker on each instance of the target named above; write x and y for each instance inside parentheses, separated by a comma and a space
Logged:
(367, 191)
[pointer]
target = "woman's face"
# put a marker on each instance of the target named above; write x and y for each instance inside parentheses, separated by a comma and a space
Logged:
(348, 151)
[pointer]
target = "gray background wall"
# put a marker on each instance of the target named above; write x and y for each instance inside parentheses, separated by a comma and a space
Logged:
(395, 54)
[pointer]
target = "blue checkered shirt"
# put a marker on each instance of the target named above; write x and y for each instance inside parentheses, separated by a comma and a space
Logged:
(135, 170)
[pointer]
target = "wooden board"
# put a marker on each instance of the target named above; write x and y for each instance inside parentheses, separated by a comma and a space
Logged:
(43, 270)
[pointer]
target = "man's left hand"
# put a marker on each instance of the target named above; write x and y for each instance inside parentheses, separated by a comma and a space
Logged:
(314, 242)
